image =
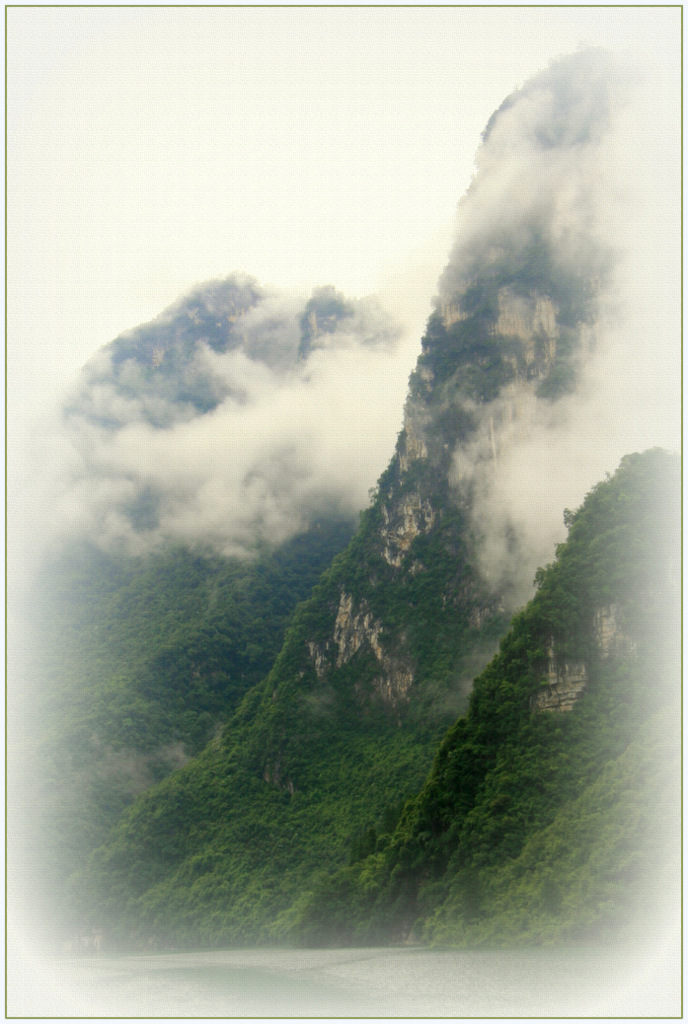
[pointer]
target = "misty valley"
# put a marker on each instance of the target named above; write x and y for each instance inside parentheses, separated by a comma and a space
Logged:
(282, 750)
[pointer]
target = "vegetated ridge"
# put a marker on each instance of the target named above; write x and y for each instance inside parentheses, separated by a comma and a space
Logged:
(552, 811)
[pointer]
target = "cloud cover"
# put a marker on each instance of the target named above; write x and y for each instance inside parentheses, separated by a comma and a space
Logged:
(242, 413)
(239, 416)
(581, 168)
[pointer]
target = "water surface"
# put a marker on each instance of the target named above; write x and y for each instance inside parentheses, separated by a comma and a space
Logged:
(399, 982)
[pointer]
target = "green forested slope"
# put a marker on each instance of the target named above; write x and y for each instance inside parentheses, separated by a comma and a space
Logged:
(538, 824)
(305, 811)
(531, 825)
(309, 761)
(135, 665)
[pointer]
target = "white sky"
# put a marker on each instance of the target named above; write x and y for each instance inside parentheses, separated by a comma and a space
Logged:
(152, 148)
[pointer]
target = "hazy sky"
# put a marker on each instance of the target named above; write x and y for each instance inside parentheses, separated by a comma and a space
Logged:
(153, 148)
(150, 149)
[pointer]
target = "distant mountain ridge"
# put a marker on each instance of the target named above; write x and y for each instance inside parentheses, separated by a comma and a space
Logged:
(154, 419)
(162, 366)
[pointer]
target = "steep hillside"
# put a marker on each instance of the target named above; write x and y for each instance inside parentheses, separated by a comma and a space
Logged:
(552, 811)
(135, 664)
(381, 659)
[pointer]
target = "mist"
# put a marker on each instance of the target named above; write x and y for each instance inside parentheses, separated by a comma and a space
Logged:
(237, 417)
(578, 164)
(243, 412)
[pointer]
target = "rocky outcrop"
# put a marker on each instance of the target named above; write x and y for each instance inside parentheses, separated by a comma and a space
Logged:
(411, 516)
(355, 627)
(319, 657)
(526, 318)
(562, 682)
(413, 445)
(452, 313)
(393, 687)
(518, 316)
(610, 635)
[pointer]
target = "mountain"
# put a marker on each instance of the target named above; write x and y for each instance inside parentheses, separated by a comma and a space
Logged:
(551, 812)
(146, 629)
(195, 510)
(319, 757)
(204, 428)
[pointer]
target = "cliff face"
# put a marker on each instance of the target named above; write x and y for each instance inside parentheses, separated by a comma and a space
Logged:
(520, 316)
(352, 629)
(513, 322)
(564, 679)
(562, 684)
(495, 349)
(357, 632)
(404, 521)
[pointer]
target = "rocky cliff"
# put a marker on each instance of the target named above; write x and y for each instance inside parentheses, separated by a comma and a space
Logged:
(512, 325)
(563, 679)
(495, 350)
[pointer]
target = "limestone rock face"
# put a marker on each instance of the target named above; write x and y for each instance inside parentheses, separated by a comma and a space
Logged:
(411, 516)
(413, 446)
(319, 658)
(356, 627)
(519, 316)
(452, 313)
(610, 635)
(563, 683)
(526, 318)
(394, 685)
(565, 679)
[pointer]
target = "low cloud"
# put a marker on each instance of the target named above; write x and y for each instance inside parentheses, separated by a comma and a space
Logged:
(242, 413)
(238, 416)
(578, 172)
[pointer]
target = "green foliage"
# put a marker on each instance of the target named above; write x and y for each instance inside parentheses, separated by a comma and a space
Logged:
(533, 824)
(217, 853)
(140, 662)
(300, 823)
(311, 761)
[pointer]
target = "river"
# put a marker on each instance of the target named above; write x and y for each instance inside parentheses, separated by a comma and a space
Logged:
(398, 982)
